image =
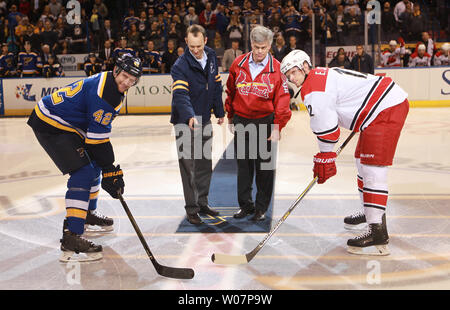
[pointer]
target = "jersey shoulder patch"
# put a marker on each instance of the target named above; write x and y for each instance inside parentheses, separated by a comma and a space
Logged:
(316, 81)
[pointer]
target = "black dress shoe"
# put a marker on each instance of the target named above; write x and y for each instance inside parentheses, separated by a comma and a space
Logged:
(243, 213)
(259, 216)
(208, 210)
(194, 219)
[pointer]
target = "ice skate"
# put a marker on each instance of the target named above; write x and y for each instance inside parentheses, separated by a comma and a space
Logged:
(98, 223)
(373, 242)
(355, 221)
(76, 248)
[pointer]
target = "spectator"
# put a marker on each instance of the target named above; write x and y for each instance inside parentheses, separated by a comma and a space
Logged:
(45, 53)
(7, 63)
(399, 8)
(235, 29)
(222, 20)
(353, 25)
(152, 59)
(340, 60)
(29, 63)
(129, 20)
(279, 49)
(428, 42)
(276, 24)
(416, 23)
(174, 34)
(52, 68)
(352, 5)
(12, 16)
(291, 20)
(55, 7)
(180, 51)
(292, 44)
(78, 40)
(156, 36)
(92, 65)
(107, 33)
(123, 48)
(191, 18)
(169, 57)
(47, 14)
(420, 58)
(230, 55)
(388, 23)
(49, 36)
(134, 38)
(208, 20)
(101, 8)
(106, 55)
(362, 61)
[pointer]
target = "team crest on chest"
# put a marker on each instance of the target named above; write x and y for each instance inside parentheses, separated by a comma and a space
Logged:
(260, 87)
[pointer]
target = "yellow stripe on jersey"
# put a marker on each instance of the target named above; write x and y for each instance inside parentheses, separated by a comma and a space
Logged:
(180, 87)
(54, 123)
(94, 141)
(180, 82)
(71, 212)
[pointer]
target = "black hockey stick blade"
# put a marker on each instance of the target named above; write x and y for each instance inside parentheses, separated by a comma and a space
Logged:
(165, 271)
(225, 259)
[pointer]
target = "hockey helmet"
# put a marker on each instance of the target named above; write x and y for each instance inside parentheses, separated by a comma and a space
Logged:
(129, 64)
(445, 47)
(296, 58)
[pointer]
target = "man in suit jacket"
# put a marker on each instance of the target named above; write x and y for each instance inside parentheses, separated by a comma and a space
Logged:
(106, 54)
(107, 32)
(230, 55)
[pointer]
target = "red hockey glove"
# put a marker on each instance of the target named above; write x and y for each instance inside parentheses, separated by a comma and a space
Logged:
(401, 41)
(324, 166)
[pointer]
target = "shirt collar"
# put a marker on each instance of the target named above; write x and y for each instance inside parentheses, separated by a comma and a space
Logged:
(262, 63)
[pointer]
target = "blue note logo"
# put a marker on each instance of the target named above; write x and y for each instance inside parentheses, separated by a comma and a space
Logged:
(24, 92)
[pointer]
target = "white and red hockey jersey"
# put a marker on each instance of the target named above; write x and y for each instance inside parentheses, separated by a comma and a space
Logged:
(338, 97)
(416, 61)
(392, 59)
(441, 59)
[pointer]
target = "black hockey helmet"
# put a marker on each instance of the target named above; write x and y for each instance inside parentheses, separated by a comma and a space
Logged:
(129, 64)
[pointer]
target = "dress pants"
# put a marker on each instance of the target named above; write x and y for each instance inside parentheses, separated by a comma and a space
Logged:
(256, 159)
(194, 148)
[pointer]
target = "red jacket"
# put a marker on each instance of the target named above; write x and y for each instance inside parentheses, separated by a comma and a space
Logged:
(258, 98)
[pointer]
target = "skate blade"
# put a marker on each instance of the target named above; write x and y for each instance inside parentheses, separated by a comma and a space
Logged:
(377, 250)
(358, 227)
(93, 229)
(69, 256)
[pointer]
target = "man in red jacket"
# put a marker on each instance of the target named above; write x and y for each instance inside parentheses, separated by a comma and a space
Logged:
(257, 107)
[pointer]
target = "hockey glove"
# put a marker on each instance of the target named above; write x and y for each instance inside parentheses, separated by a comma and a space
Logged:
(324, 166)
(112, 180)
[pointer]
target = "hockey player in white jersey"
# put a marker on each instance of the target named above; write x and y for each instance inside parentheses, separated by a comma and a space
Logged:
(392, 57)
(375, 107)
(420, 58)
(442, 57)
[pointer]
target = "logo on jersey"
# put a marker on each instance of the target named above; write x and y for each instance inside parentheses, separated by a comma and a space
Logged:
(24, 91)
(261, 89)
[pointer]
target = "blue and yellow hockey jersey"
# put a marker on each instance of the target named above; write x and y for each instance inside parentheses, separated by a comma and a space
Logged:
(29, 63)
(7, 65)
(87, 108)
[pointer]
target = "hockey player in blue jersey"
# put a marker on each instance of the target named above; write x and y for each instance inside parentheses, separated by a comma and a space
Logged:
(73, 125)
(7, 63)
(29, 63)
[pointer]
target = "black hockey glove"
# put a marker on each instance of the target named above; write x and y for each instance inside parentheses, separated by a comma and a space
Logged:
(112, 180)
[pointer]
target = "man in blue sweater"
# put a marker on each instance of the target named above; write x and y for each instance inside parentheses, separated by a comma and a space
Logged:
(196, 90)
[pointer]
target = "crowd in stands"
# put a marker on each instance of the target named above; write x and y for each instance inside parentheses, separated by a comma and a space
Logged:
(33, 32)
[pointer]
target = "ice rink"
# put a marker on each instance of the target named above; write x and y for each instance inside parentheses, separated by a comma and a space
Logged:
(307, 252)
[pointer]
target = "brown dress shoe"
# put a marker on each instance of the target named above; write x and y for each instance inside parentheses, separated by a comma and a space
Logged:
(194, 219)
(208, 210)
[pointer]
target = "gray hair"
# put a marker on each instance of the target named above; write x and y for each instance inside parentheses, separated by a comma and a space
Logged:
(261, 34)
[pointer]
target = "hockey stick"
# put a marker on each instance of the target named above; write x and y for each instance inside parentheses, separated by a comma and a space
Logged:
(169, 272)
(244, 259)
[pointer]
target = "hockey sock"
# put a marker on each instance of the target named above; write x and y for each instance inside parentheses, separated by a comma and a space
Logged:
(375, 192)
(95, 188)
(360, 182)
(77, 198)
